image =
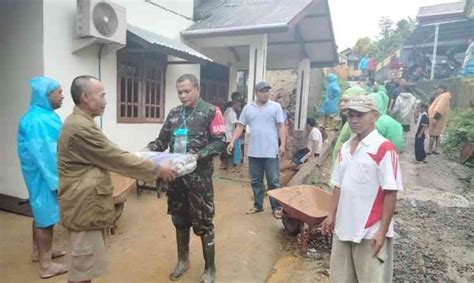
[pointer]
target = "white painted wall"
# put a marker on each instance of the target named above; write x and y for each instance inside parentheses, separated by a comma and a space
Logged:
(20, 59)
(37, 40)
(155, 19)
(184, 7)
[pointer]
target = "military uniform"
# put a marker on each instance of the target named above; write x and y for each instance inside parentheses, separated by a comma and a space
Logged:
(191, 197)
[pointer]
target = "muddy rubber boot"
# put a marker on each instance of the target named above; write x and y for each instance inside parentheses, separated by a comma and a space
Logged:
(208, 250)
(182, 240)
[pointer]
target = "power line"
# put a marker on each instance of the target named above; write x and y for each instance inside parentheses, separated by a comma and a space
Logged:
(168, 10)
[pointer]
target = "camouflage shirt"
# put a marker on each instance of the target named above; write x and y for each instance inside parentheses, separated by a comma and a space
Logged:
(205, 126)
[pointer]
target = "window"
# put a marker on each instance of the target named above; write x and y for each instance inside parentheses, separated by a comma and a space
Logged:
(215, 84)
(140, 90)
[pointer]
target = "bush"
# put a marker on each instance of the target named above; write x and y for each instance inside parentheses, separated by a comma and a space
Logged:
(459, 131)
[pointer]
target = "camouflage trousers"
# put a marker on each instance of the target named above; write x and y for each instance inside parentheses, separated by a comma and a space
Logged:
(191, 202)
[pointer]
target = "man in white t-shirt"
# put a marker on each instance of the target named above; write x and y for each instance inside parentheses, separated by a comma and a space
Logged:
(312, 149)
(366, 177)
(315, 138)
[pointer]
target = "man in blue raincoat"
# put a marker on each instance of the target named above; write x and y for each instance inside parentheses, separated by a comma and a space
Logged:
(37, 137)
(330, 104)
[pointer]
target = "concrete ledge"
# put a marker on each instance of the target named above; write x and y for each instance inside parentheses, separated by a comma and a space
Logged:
(15, 205)
(308, 167)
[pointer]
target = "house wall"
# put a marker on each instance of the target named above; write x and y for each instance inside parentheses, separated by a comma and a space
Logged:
(37, 39)
(21, 27)
(63, 65)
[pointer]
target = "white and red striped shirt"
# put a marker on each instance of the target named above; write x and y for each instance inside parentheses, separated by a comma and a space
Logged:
(362, 177)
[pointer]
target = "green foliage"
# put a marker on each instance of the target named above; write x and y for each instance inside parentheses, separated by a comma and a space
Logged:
(460, 130)
(390, 38)
(362, 46)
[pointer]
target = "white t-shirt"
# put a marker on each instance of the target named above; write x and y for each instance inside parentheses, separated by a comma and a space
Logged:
(230, 119)
(362, 177)
(315, 136)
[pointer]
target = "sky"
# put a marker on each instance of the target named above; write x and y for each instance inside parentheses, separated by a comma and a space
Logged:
(353, 19)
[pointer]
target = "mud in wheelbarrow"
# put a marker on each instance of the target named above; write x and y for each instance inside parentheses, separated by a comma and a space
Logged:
(122, 185)
(304, 208)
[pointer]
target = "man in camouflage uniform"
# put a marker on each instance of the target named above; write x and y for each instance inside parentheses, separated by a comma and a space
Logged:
(191, 197)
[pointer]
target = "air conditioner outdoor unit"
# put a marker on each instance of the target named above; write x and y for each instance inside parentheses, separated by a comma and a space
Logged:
(103, 21)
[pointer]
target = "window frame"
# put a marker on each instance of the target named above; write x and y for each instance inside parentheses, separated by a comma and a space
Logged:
(145, 61)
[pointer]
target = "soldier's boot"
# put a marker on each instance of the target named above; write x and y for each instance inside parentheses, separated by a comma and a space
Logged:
(182, 240)
(208, 250)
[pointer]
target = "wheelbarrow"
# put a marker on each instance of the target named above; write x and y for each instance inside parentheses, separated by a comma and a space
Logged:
(122, 185)
(304, 208)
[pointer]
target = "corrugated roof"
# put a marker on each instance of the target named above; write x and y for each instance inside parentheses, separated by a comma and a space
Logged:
(296, 29)
(172, 47)
(442, 9)
(459, 31)
(245, 13)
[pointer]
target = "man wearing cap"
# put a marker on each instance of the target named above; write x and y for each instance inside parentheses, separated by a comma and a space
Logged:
(265, 120)
(366, 177)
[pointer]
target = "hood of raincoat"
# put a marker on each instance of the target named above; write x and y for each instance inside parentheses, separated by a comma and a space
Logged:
(331, 78)
(352, 92)
(406, 95)
(40, 88)
(378, 101)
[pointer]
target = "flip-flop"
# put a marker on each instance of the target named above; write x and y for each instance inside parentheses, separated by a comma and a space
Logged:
(54, 270)
(54, 254)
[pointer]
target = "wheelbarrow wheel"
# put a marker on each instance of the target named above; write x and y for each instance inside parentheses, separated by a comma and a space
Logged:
(291, 225)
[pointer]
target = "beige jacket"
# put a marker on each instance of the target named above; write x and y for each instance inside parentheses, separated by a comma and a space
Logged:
(85, 157)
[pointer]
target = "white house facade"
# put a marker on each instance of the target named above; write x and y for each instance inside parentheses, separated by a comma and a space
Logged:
(164, 39)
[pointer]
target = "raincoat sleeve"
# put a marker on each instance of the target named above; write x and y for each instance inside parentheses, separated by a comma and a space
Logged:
(41, 143)
(344, 136)
(393, 133)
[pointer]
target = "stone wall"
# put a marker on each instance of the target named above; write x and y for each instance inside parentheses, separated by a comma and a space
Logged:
(283, 84)
(461, 89)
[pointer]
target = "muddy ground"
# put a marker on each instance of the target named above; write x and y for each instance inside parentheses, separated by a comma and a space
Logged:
(143, 248)
(434, 225)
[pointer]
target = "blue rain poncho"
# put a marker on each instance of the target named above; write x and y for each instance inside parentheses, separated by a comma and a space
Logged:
(331, 99)
(38, 133)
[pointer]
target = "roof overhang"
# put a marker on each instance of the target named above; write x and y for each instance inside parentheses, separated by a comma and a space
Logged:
(154, 42)
(305, 32)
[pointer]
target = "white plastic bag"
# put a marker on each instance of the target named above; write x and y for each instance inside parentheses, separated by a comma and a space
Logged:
(183, 163)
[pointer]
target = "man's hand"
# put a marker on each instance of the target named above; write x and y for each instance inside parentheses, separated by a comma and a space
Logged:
(327, 227)
(281, 150)
(418, 136)
(230, 147)
(377, 242)
(166, 172)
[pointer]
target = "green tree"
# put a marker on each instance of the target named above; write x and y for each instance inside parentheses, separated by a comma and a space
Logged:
(362, 46)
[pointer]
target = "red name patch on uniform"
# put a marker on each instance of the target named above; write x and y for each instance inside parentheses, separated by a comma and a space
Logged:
(217, 125)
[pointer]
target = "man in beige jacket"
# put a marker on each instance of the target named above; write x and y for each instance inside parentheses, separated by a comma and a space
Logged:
(85, 157)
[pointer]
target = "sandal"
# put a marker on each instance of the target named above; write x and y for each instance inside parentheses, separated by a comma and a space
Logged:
(54, 254)
(54, 270)
(253, 210)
